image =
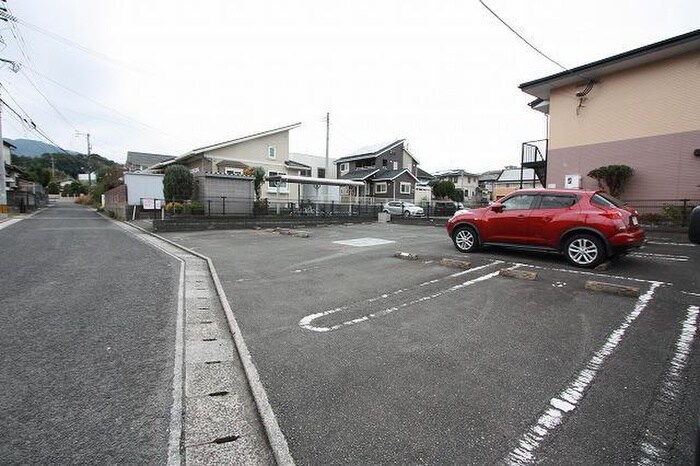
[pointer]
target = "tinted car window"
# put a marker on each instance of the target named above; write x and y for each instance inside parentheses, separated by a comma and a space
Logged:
(550, 201)
(606, 200)
(518, 202)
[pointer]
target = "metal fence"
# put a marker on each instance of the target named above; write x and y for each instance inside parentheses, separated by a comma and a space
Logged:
(672, 212)
(247, 208)
(23, 201)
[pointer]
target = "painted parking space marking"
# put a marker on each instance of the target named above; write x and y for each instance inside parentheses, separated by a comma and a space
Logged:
(657, 435)
(364, 242)
(569, 397)
(593, 274)
(663, 257)
(671, 244)
(307, 322)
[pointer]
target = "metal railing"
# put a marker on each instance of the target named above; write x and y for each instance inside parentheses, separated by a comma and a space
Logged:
(659, 212)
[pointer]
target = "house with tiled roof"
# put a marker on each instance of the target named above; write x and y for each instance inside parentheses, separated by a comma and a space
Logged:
(387, 169)
(267, 149)
(138, 161)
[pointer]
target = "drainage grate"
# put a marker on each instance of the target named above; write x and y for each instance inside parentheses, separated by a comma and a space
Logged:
(208, 339)
(219, 393)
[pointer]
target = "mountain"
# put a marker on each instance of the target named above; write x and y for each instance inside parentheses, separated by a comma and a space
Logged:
(32, 148)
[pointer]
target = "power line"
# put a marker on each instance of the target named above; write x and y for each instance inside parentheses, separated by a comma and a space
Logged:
(30, 123)
(58, 112)
(522, 38)
(13, 19)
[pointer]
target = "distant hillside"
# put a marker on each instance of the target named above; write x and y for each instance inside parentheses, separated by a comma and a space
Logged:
(32, 148)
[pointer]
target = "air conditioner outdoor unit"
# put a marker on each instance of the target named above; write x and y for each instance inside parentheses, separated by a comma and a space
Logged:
(572, 182)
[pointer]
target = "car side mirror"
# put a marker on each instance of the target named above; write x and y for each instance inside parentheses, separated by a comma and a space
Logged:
(496, 207)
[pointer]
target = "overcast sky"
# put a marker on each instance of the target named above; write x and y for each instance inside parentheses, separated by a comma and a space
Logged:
(168, 76)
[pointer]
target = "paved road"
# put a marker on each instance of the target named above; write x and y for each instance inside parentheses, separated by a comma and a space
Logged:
(87, 333)
(403, 362)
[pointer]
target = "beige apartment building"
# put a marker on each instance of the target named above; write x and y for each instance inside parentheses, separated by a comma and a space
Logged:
(640, 108)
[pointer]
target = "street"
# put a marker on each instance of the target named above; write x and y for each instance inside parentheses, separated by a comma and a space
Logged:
(87, 337)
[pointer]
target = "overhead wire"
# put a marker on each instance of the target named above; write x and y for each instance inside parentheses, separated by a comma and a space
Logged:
(32, 126)
(522, 38)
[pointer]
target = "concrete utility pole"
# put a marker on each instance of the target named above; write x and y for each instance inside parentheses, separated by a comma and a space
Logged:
(89, 148)
(3, 188)
(328, 130)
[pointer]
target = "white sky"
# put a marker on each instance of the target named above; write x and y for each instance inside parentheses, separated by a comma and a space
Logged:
(179, 75)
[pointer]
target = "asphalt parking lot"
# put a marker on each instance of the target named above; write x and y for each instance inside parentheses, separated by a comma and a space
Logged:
(367, 358)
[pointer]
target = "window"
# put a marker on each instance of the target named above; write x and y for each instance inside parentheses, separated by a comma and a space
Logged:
(344, 167)
(364, 163)
(233, 171)
(606, 200)
(321, 173)
(518, 202)
(380, 188)
(277, 187)
(384, 162)
(405, 188)
(550, 201)
(395, 165)
(272, 152)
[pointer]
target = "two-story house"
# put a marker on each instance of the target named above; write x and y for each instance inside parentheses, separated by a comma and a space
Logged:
(640, 108)
(266, 149)
(388, 170)
(465, 182)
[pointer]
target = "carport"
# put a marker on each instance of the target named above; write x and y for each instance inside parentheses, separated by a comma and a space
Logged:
(317, 183)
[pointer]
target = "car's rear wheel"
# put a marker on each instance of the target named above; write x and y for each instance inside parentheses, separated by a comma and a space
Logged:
(465, 239)
(406, 213)
(584, 250)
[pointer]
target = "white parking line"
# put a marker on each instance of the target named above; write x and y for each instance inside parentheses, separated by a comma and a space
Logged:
(306, 322)
(567, 400)
(663, 257)
(593, 274)
(657, 438)
(671, 244)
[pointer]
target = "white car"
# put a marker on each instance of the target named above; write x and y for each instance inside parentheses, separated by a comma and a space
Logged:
(405, 209)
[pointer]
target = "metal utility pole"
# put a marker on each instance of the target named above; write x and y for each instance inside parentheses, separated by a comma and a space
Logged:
(89, 148)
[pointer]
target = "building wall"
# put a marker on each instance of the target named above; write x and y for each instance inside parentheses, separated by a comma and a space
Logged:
(315, 162)
(116, 201)
(647, 117)
(664, 166)
(651, 100)
(143, 186)
(239, 193)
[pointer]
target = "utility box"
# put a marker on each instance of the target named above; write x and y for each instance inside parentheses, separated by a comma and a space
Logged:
(572, 182)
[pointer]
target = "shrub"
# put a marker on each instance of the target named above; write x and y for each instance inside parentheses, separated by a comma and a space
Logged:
(196, 207)
(174, 207)
(178, 182)
(614, 176)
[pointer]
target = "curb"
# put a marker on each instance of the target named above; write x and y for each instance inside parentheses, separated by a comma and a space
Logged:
(611, 288)
(275, 437)
(519, 274)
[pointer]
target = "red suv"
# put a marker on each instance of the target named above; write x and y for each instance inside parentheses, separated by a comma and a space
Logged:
(586, 226)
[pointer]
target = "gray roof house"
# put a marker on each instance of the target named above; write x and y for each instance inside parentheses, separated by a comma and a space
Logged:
(137, 161)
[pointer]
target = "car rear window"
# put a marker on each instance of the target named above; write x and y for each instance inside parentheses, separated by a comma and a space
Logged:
(551, 201)
(606, 200)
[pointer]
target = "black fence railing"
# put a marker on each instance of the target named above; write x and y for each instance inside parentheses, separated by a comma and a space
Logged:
(659, 212)
(224, 206)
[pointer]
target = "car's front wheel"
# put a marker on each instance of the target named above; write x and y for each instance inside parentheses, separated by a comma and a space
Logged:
(584, 250)
(406, 213)
(465, 239)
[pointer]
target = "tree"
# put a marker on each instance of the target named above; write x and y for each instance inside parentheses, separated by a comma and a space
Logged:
(259, 174)
(444, 190)
(178, 182)
(53, 188)
(40, 175)
(614, 176)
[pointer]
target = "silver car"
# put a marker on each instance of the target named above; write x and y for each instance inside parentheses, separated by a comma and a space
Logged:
(406, 209)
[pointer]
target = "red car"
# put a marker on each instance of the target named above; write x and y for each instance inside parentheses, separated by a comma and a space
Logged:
(586, 226)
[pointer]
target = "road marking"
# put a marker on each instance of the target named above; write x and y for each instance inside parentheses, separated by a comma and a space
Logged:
(568, 399)
(7, 223)
(665, 257)
(657, 438)
(671, 244)
(593, 274)
(306, 322)
(363, 242)
(689, 293)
